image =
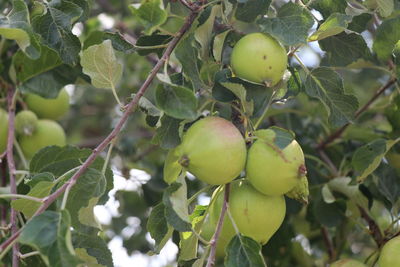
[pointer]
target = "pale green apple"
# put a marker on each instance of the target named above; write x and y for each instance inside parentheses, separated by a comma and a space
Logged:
(274, 171)
(25, 122)
(47, 133)
(213, 150)
(3, 130)
(256, 215)
(49, 108)
(259, 58)
(390, 253)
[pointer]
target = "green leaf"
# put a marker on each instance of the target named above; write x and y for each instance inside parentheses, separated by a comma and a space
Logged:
(60, 160)
(388, 183)
(55, 27)
(335, 24)
(172, 168)
(167, 135)
(16, 27)
(344, 49)
(27, 68)
(50, 234)
(249, 10)
(29, 207)
(327, 7)
(240, 92)
(148, 107)
(158, 227)
(48, 84)
(330, 215)
(100, 63)
(387, 35)
(176, 206)
(279, 136)
(243, 251)
(151, 14)
(187, 56)
(385, 7)
(188, 246)
(118, 41)
(152, 40)
(290, 26)
(94, 246)
(218, 45)
(359, 23)
(177, 101)
(326, 85)
(368, 157)
(203, 34)
(83, 197)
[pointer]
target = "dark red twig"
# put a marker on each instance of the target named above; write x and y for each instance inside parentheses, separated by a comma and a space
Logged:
(11, 169)
(328, 244)
(373, 227)
(214, 239)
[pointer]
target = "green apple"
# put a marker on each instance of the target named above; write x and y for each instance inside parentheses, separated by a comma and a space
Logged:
(47, 133)
(390, 253)
(48, 108)
(259, 58)
(348, 263)
(256, 215)
(213, 150)
(25, 122)
(274, 171)
(3, 130)
(225, 236)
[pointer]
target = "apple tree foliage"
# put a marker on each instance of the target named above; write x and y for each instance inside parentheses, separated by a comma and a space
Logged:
(340, 97)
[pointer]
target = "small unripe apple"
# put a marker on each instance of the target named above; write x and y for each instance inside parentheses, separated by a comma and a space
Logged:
(49, 108)
(47, 133)
(274, 171)
(3, 130)
(390, 253)
(25, 122)
(348, 263)
(256, 215)
(259, 58)
(213, 150)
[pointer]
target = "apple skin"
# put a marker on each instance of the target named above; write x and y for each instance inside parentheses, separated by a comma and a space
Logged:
(259, 58)
(256, 215)
(348, 263)
(25, 122)
(390, 253)
(48, 108)
(273, 171)
(213, 150)
(3, 130)
(47, 133)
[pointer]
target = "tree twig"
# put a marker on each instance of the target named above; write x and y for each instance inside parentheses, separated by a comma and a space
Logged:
(214, 239)
(328, 244)
(373, 227)
(129, 109)
(338, 133)
(11, 169)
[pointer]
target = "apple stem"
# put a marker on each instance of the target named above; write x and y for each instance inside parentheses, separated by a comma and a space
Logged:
(184, 161)
(214, 239)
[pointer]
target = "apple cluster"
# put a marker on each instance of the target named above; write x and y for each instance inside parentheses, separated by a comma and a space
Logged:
(215, 152)
(36, 126)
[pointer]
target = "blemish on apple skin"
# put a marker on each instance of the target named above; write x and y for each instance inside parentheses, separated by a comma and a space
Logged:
(265, 57)
(270, 67)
